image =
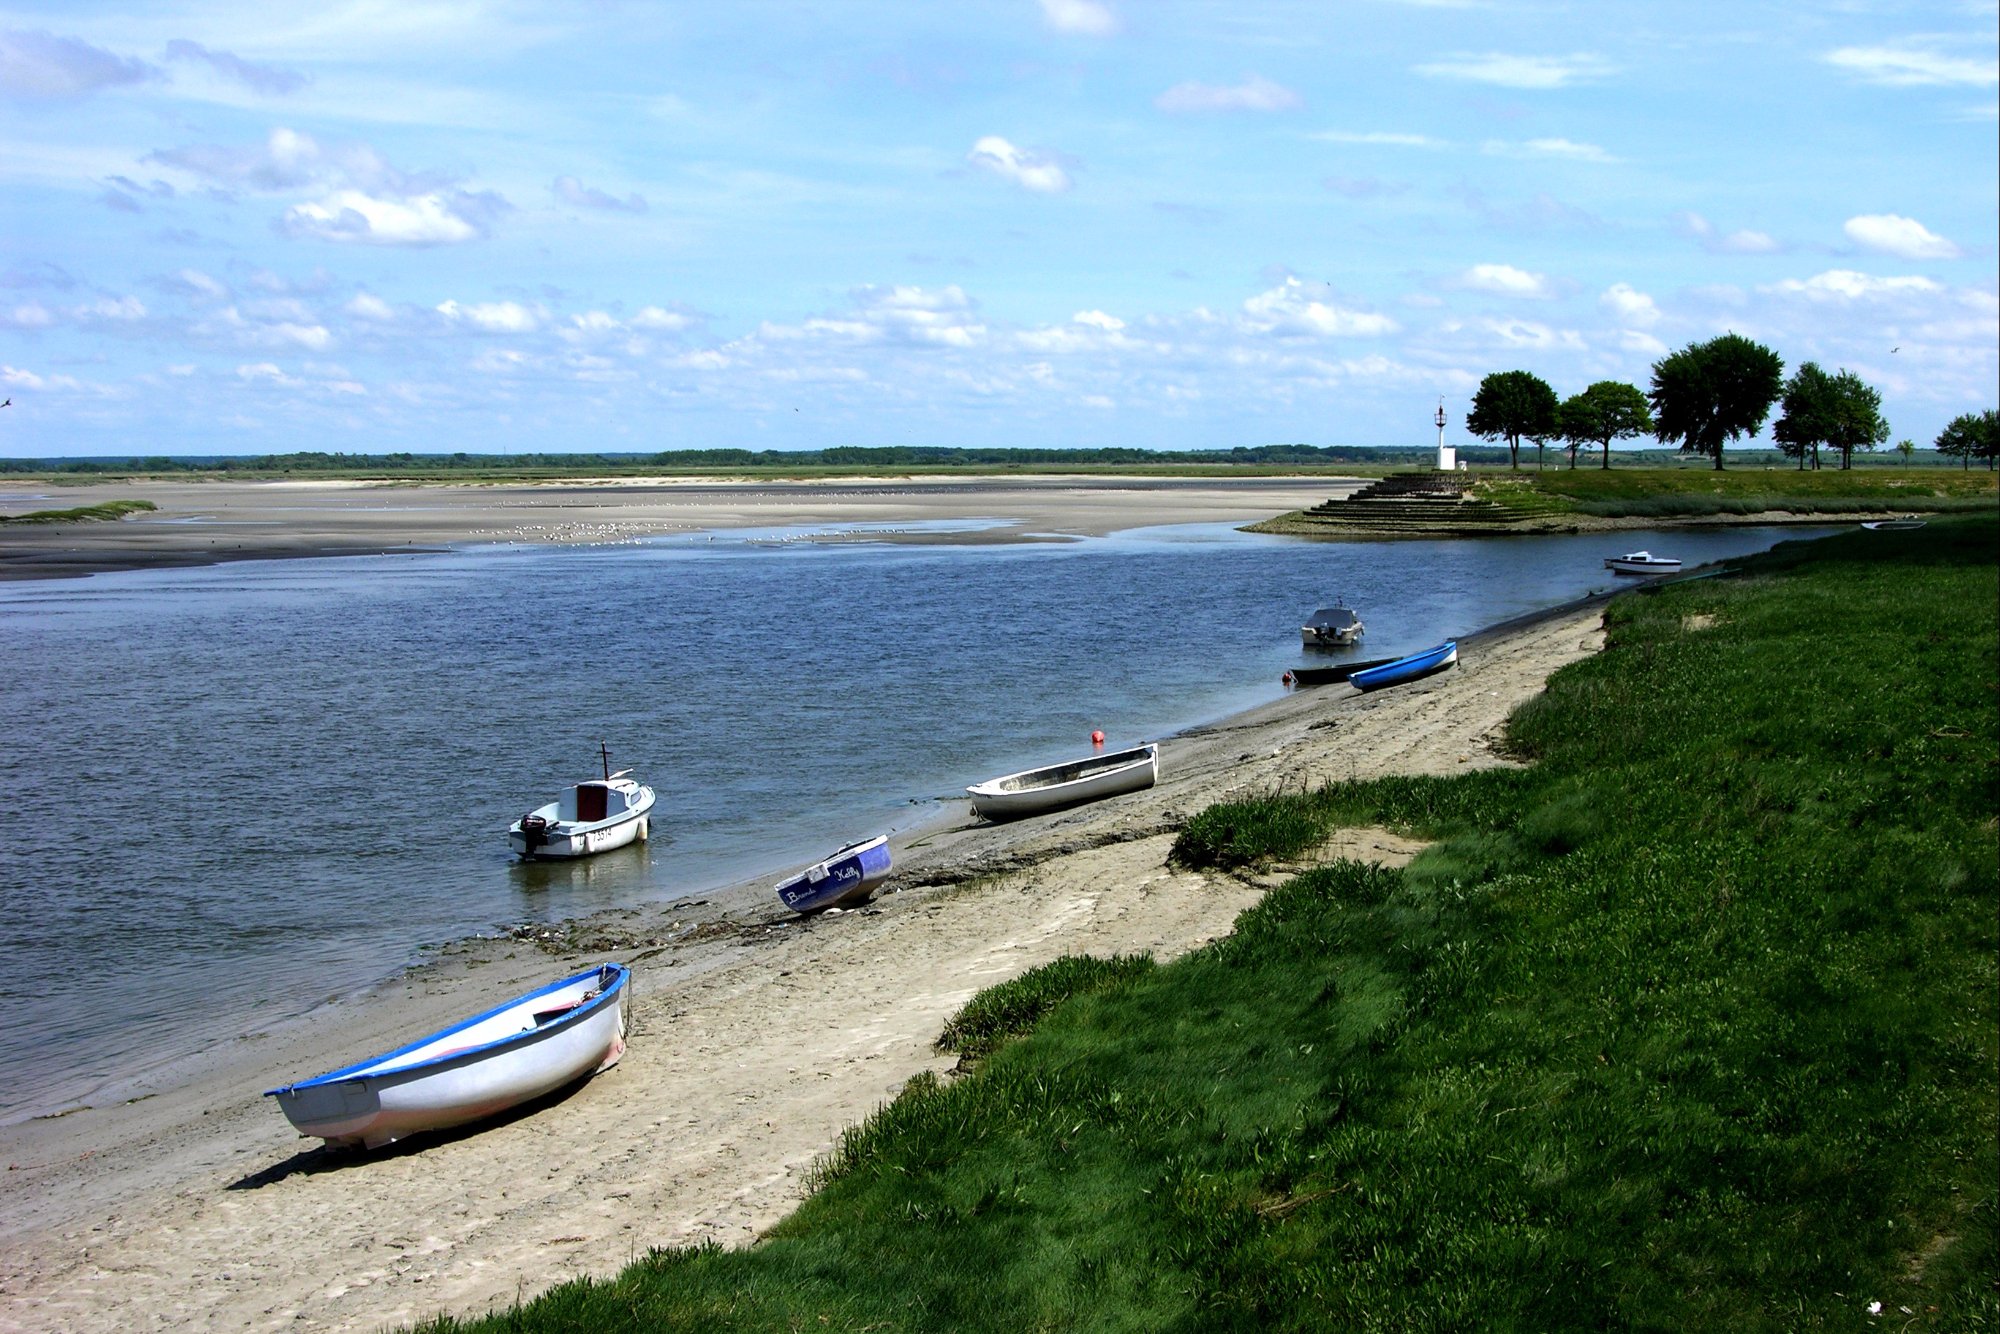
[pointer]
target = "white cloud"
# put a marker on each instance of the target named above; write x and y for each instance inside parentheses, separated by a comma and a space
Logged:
(197, 281)
(42, 67)
(422, 220)
(1906, 238)
(1255, 93)
(1085, 17)
(1633, 340)
(265, 79)
(1505, 280)
(1510, 71)
(1287, 309)
(368, 306)
(124, 309)
(1527, 333)
(491, 317)
(1383, 138)
(1743, 242)
(572, 191)
(263, 371)
(1918, 62)
(1628, 305)
(1038, 172)
(1567, 148)
(1098, 319)
(1848, 285)
(30, 315)
(14, 375)
(654, 317)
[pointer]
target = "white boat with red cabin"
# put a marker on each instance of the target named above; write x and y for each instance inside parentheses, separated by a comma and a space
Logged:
(596, 815)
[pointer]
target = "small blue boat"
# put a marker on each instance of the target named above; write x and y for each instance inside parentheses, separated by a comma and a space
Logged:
(848, 876)
(1407, 669)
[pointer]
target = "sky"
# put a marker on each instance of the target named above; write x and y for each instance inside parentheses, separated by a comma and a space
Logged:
(499, 226)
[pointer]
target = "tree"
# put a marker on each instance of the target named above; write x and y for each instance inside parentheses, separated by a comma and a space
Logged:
(1802, 425)
(1511, 404)
(1707, 394)
(1608, 410)
(1971, 435)
(1906, 448)
(1854, 419)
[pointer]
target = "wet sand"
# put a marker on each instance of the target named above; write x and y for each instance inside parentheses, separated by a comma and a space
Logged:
(758, 1037)
(203, 523)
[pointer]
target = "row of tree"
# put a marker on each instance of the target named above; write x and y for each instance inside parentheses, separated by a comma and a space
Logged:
(1703, 397)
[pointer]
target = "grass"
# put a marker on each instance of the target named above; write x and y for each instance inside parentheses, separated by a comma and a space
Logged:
(1627, 492)
(112, 509)
(1690, 1025)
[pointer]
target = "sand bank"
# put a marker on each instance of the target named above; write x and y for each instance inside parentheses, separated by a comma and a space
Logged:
(202, 523)
(758, 1038)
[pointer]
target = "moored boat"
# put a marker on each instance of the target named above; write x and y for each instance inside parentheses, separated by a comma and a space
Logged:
(1033, 791)
(1641, 562)
(1893, 525)
(1332, 627)
(1399, 670)
(514, 1053)
(596, 815)
(1322, 676)
(848, 876)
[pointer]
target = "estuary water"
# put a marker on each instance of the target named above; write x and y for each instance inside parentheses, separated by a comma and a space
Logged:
(237, 791)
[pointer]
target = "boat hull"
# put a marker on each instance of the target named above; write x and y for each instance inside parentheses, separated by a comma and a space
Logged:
(1641, 562)
(1321, 676)
(848, 876)
(570, 838)
(1402, 670)
(1055, 786)
(507, 1056)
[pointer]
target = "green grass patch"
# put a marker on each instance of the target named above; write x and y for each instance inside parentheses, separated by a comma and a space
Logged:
(110, 509)
(1690, 1025)
(1680, 493)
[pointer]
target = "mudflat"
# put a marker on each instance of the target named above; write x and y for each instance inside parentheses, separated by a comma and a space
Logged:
(201, 523)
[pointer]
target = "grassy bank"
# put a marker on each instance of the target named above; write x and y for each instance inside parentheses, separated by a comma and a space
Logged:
(111, 509)
(1677, 493)
(1690, 1024)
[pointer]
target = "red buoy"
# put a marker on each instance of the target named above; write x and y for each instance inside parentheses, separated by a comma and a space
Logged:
(1097, 738)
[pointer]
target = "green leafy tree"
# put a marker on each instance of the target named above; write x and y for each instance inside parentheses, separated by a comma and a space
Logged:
(1802, 425)
(1971, 435)
(1707, 394)
(1608, 410)
(1512, 404)
(1855, 417)
(1906, 448)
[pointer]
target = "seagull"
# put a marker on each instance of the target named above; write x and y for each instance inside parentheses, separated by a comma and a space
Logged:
(1894, 350)
(8, 404)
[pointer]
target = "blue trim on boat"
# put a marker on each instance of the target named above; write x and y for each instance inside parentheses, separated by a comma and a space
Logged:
(869, 861)
(624, 975)
(1404, 669)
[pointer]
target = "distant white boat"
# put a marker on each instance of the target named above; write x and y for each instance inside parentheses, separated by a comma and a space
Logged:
(594, 816)
(1035, 790)
(1893, 525)
(1642, 562)
(530, 1046)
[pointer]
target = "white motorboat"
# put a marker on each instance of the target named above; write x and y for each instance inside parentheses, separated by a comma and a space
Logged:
(1642, 562)
(1332, 627)
(594, 816)
(530, 1046)
(1894, 525)
(1033, 791)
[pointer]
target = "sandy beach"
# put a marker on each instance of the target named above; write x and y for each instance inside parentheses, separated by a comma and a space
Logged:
(757, 1038)
(202, 523)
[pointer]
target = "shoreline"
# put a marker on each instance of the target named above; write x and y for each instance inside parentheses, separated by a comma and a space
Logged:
(115, 1213)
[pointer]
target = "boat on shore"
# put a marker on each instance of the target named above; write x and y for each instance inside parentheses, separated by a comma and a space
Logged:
(1332, 627)
(1032, 791)
(596, 815)
(847, 877)
(1400, 670)
(1893, 525)
(514, 1053)
(1641, 562)
(1332, 675)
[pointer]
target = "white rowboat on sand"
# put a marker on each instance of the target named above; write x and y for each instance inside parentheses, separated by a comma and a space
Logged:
(532, 1045)
(1033, 791)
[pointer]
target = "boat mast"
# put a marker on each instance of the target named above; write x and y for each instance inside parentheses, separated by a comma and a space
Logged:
(605, 750)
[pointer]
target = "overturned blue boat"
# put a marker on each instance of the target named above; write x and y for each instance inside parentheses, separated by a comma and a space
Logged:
(848, 876)
(1407, 669)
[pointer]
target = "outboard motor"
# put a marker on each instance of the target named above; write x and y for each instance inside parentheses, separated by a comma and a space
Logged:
(534, 834)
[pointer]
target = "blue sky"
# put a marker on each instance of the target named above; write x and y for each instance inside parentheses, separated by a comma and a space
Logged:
(371, 225)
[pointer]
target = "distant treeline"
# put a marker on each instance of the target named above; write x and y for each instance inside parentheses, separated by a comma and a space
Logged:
(843, 457)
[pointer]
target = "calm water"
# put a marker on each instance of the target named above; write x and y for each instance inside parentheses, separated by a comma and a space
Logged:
(240, 790)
